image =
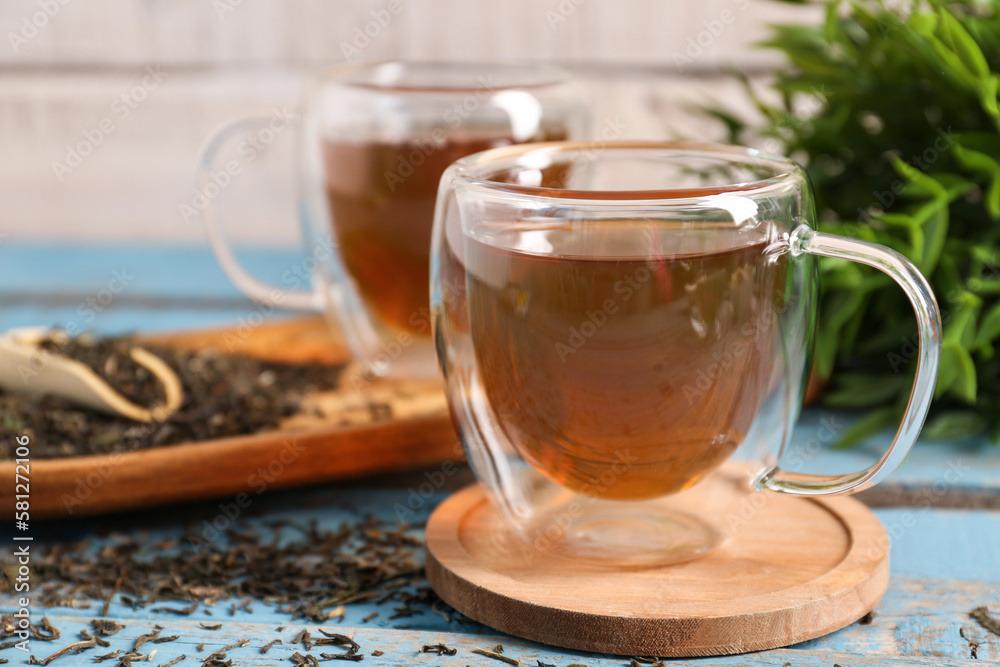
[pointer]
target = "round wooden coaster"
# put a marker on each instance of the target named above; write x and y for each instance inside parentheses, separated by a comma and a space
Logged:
(795, 569)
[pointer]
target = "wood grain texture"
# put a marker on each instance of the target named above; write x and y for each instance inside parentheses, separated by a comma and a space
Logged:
(801, 569)
(175, 32)
(337, 435)
(943, 565)
(402, 646)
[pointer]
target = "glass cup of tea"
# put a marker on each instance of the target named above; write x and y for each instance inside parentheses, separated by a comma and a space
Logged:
(373, 141)
(625, 331)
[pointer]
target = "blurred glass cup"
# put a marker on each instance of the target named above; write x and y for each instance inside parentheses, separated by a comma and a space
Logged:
(374, 141)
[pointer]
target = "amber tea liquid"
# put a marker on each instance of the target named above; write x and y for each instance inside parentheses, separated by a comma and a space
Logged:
(381, 196)
(629, 375)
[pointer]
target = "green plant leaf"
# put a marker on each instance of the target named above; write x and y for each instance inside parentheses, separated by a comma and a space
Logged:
(961, 327)
(954, 425)
(825, 352)
(989, 327)
(935, 235)
(988, 98)
(864, 390)
(930, 73)
(831, 24)
(901, 220)
(964, 385)
(963, 45)
(734, 125)
(872, 423)
(923, 23)
(921, 183)
(987, 166)
(947, 370)
(952, 64)
(989, 286)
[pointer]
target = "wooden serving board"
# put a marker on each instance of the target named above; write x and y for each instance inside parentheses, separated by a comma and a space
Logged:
(336, 436)
(798, 569)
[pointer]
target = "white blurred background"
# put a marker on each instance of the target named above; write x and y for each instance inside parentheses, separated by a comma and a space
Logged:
(143, 82)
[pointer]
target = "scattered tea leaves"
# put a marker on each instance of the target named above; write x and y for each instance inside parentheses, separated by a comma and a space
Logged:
(983, 617)
(336, 639)
(78, 647)
(105, 627)
(128, 658)
(220, 655)
(267, 647)
(496, 656)
(142, 639)
(377, 653)
(354, 657)
(163, 640)
(186, 611)
(97, 640)
(439, 649)
(303, 660)
(305, 574)
(973, 643)
(44, 631)
(174, 661)
(303, 638)
(437, 610)
(337, 612)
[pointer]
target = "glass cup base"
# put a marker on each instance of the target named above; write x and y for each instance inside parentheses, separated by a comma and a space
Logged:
(640, 534)
(624, 535)
(633, 539)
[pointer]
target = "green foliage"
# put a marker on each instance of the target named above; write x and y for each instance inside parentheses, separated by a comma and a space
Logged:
(892, 109)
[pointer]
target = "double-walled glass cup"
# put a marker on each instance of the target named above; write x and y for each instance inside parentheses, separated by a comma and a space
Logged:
(625, 329)
(373, 141)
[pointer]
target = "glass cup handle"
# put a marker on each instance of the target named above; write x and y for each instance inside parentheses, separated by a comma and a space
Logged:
(805, 240)
(251, 286)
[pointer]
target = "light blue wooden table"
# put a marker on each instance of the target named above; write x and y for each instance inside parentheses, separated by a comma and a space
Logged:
(942, 507)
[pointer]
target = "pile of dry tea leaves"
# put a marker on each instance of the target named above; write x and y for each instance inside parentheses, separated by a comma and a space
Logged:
(303, 571)
(224, 395)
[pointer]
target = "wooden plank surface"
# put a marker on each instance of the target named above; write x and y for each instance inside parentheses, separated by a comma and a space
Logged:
(229, 32)
(403, 647)
(943, 564)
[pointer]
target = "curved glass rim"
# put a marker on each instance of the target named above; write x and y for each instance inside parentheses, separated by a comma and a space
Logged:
(384, 76)
(470, 170)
